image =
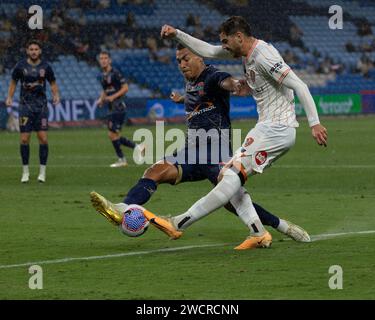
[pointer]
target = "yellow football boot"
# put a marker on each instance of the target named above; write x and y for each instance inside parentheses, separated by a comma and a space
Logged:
(263, 241)
(106, 208)
(163, 224)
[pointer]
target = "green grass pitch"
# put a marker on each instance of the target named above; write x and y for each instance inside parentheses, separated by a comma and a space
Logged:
(326, 190)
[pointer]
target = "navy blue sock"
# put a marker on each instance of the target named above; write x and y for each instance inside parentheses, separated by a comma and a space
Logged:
(25, 153)
(267, 218)
(43, 154)
(141, 192)
(117, 146)
(127, 143)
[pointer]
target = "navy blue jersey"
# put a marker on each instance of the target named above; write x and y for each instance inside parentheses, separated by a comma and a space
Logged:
(112, 82)
(33, 84)
(206, 103)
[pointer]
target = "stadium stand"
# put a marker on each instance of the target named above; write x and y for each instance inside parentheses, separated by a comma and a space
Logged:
(330, 61)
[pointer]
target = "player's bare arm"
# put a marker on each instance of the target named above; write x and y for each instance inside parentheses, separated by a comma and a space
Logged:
(101, 99)
(318, 131)
(55, 93)
(176, 97)
(199, 47)
(11, 91)
(124, 89)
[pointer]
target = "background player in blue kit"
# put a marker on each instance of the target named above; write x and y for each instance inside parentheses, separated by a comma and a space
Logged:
(33, 72)
(207, 107)
(114, 89)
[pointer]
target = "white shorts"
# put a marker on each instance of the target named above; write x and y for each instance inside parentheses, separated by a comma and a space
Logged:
(264, 144)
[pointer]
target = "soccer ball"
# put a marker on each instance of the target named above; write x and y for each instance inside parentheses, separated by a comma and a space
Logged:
(134, 223)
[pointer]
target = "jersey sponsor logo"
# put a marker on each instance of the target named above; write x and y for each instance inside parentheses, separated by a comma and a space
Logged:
(260, 157)
(276, 68)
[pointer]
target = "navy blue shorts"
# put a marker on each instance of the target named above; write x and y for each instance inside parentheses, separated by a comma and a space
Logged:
(115, 121)
(196, 171)
(33, 121)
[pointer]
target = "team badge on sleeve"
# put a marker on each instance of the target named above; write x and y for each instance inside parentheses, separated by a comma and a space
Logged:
(260, 157)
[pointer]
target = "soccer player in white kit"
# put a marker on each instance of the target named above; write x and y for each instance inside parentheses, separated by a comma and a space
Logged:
(271, 82)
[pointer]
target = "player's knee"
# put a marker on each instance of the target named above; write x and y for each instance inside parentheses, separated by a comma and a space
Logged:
(43, 140)
(159, 172)
(25, 140)
(112, 135)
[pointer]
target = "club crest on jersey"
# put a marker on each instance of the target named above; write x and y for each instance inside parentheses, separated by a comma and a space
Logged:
(248, 142)
(200, 87)
(42, 73)
(260, 157)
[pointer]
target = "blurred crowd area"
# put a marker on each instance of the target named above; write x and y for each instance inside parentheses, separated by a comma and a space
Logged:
(82, 28)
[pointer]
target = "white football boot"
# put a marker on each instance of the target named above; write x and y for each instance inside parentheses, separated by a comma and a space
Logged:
(25, 174)
(121, 162)
(42, 174)
(297, 233)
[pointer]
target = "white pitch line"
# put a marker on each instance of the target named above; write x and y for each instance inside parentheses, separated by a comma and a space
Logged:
(137, 253)
(333, 235)
(118, 255)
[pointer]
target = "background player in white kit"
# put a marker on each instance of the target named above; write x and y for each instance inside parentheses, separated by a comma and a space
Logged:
(271, 82)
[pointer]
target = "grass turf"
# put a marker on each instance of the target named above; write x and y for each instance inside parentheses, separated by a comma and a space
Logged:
(326, 190)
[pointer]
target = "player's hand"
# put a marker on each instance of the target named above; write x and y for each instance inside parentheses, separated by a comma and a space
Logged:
(168, 32)
(56, 100)
(242, 89)
(9, 102)
(109, 99)
(176, 97)
(320, 134)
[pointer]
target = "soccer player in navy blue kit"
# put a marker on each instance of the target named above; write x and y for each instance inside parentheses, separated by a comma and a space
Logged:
(207, 106)
(114, 89)
(33, 72)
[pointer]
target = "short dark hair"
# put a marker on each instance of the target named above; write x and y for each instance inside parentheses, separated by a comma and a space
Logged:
(180, 46)
(33, 41)
(235, 24)
(105, 52)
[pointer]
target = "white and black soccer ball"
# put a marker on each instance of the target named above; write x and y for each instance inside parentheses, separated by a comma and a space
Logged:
(134, 223)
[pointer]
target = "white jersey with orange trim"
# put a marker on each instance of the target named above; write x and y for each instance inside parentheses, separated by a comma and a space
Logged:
(265, 70)
(271, 79)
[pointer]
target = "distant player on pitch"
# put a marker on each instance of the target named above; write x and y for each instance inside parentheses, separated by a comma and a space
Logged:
(114, 89)
(33, 72)
(272, 84)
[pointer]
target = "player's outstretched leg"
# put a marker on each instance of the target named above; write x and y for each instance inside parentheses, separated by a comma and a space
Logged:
(113, 212)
